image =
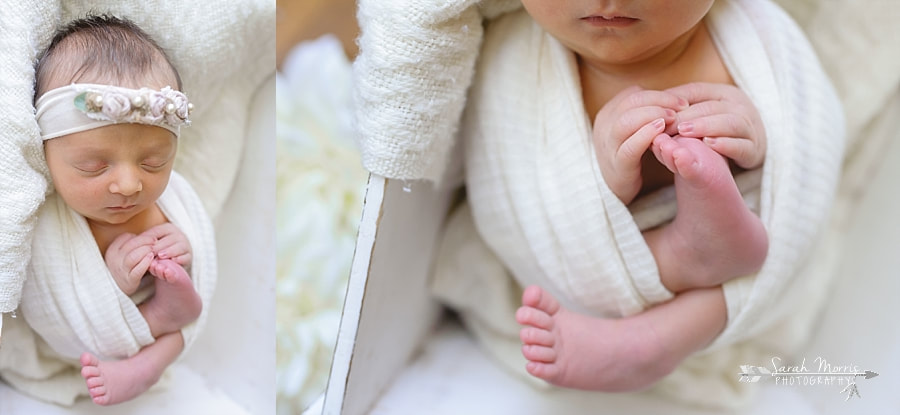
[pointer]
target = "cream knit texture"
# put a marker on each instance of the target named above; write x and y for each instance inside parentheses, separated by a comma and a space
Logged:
(416, 61)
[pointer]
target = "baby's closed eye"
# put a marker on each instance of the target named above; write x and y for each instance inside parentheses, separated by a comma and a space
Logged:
(90, 166)
(155, 163)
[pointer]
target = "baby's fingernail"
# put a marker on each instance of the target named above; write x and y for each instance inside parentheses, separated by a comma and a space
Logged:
(709, 140)
(162, 255)
(685, 127)
(670, 113)
(659, 123)
(682, 103)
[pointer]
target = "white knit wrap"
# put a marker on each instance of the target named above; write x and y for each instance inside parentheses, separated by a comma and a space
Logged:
(73, 304)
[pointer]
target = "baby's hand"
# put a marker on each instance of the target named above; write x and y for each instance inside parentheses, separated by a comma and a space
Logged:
(623, 131)
(128, 258)
(725, 118)
(170, 243)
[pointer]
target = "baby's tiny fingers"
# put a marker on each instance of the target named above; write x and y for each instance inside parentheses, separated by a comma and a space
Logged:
(141, 267)
(745, 153)
(160, 231)
(165, 244)
(136, 255)
(717, 125)
(635, 146)
(704, 109)
(631, 121)
(172, 249)
(138, 241)
(704, 91)
(654, 98)
(184, 260)
(120, 241)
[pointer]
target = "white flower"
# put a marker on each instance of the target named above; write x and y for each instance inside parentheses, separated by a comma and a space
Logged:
(320, 186)
(116, 106)
(180, 104)
(156, 106)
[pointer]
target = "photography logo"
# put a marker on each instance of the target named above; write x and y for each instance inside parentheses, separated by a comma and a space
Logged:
(825, 374)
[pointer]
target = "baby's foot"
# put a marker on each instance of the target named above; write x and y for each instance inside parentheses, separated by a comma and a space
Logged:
(175, 303)
(715, 236)
(576, 351)
(112, 382)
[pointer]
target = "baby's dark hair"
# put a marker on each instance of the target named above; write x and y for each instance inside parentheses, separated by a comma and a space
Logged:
(103, 49)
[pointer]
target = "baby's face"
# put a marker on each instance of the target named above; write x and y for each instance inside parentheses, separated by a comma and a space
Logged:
(619, 31)
(112, 173)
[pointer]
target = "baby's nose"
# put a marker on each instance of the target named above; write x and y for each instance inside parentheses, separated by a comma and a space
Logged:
(126, 183)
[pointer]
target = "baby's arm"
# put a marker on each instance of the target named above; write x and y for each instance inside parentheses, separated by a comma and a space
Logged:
(128, 259)
(725, 118)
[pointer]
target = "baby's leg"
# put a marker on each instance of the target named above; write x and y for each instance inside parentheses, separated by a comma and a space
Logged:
(115, 381)
(175, 303)
(576, 351)
(714, 237)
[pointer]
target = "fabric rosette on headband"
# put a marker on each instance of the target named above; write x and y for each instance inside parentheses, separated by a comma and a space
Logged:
(81, 107)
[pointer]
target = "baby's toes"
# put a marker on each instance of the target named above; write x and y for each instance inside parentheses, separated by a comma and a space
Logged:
(536, 353)
(530, 316)
(532, 296)
(100, 397)
(94, 381)
(89, 360)
(541, 370)
(665, 148)
(169, 272)
(547, 303)
(686, 163)
(155, 268)
(536, 297)
(534, 335)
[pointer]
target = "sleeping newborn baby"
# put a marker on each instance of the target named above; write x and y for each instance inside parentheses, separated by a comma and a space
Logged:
(109, 107)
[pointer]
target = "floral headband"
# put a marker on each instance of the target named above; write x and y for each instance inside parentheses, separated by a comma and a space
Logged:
(81, 107)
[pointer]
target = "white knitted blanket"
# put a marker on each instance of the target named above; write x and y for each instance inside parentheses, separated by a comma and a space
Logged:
(73, 305)
(540, 204)
(224, 50)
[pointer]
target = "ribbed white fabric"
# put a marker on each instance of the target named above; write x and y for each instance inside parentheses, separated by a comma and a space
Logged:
(73, 304)
(540, 204)
(224, 50)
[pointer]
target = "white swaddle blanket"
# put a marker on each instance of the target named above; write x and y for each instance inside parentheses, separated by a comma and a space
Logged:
(540, 204)
(73, 305)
